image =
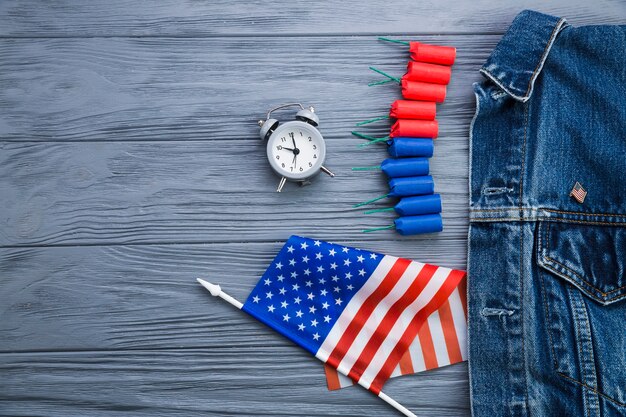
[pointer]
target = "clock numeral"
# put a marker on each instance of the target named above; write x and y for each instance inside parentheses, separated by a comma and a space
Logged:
(277, 156)
(310, 139)
(291, 134)
(301, 134)
(283, 164)
(315, 155)
(283, 139)
(279, 147)
(314, 147)
(310, 164)
(291, 168)
(300, 169)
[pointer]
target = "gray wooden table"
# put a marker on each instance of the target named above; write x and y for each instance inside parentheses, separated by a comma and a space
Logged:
(130, 164)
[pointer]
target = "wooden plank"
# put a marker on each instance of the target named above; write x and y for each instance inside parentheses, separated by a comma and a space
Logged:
(146, 296)
(146, 339)
(173, 192)
(127, 89)
(207, 382)
(206, 18)
(215, 186)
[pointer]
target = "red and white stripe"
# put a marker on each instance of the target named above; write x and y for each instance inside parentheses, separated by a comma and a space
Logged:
(579, 195)
(383, 318)
(441, 341)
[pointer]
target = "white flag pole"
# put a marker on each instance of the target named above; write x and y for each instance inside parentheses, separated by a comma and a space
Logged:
(395, 404)
(216, 291)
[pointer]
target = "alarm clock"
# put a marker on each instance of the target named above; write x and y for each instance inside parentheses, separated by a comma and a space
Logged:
(296, 149)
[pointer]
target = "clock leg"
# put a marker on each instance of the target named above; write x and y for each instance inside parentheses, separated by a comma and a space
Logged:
(327, 171)
(281, 184)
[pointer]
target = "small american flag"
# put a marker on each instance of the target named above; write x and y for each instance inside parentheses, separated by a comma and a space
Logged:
(578, 192)
(441, 341)
(355, 310)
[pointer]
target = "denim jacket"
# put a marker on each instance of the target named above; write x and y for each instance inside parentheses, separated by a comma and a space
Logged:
(546, 271)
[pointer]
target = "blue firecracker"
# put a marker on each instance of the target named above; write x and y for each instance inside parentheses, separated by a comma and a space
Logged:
(406, 186)
(415, 225)
(415, 205)
(405, 167)
(408, 147)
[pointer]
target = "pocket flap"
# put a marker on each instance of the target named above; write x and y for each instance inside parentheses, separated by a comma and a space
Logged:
(591, 257)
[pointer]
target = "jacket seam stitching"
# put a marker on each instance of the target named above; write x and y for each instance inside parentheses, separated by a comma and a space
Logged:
(547, 48)
(578, 338)
(606, 397)
(499, 84)
(617, 224)
(581, 212)
(543, 55)
(593, 371)
(545, 301)
(521, 239)
(555, 211)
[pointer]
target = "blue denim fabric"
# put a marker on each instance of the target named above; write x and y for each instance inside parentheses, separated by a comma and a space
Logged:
(547, 280)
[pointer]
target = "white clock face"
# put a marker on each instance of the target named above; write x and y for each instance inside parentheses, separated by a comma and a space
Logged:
(296, 150)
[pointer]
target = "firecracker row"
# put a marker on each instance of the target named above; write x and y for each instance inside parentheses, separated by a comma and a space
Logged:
(410, 142)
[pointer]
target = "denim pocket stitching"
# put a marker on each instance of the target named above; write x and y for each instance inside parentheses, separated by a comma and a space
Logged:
(556, 271)
(549, 259)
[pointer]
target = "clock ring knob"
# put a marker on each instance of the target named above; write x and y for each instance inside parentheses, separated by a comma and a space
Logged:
(308, 116)
(267, 127)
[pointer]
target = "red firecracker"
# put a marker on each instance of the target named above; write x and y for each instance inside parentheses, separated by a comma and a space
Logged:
(408, 109)
(415, 128)
(417, 90)
(434, 54)
(428, 73)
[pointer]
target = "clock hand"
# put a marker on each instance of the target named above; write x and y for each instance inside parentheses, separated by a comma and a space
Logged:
(295, 155)
(294, 142)
(289, 149)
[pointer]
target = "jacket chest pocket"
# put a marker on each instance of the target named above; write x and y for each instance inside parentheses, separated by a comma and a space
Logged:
(583, 279)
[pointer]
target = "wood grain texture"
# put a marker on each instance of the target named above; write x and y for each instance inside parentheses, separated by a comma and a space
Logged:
(244, 381)
(171, 89)
(201, 191)
(146, 296)
(141, 154)
(216, 17)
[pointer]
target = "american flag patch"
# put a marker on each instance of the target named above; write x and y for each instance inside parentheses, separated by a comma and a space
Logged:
(578, 192)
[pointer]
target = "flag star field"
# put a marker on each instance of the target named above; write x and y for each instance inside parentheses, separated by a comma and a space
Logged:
(307, 286)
